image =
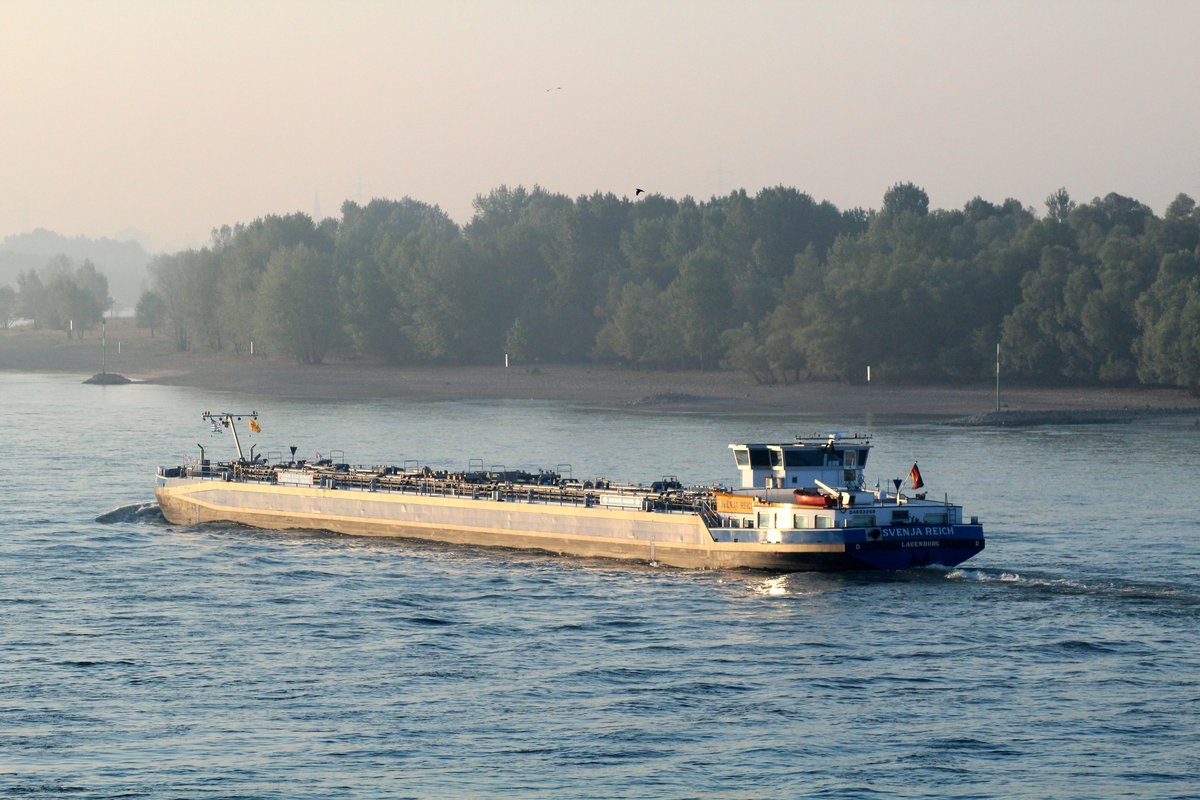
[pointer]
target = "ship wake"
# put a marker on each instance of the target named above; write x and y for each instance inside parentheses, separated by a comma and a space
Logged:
(1106, 588)
(136, 512)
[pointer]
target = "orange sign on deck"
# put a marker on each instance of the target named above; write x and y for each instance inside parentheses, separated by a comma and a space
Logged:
(735, 504)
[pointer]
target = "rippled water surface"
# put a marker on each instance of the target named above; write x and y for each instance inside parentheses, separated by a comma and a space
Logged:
(139, 659)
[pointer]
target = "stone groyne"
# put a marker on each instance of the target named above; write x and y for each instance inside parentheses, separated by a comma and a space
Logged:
(1026, 419)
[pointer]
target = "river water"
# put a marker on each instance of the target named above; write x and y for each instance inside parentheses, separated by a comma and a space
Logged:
(142, 660)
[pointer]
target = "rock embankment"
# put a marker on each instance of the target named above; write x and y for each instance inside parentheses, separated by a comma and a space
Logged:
(1026, 419)
(108, 379)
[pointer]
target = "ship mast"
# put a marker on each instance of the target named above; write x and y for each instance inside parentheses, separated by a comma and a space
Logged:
(227, 419)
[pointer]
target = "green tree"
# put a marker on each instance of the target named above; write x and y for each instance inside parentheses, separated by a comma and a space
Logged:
(1041, 336)
(8, 306)
(371, 246)
(1178, 230)
(518, 343)
(151, 311)
(168, 275)
(64, 297)
(1059, 205)
(1168, 313)
(299, 313)
(583, 255)
(640, 331)
(234, 264)
(95, 283)
(745, 351)
(31, 298)
(905, 198)
(442, 293)
(698, 305)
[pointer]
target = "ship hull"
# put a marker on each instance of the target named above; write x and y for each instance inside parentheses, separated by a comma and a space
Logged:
(673, 539)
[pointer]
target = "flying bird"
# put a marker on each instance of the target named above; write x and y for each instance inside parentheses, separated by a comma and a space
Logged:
(554, 89)
(638, 191)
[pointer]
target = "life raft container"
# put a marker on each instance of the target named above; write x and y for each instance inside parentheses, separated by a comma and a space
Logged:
(811, 499)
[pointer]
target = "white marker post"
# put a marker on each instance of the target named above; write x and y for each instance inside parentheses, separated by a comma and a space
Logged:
(997, 377)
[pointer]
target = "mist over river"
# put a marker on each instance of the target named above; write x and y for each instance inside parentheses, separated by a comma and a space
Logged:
(144, 660)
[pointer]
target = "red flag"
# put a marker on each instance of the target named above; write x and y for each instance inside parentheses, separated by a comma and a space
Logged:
(915, 475)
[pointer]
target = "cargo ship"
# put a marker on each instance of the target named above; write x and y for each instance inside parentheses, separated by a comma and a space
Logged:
(801, 505)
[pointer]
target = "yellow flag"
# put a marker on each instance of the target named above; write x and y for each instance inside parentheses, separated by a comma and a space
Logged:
(255, 427)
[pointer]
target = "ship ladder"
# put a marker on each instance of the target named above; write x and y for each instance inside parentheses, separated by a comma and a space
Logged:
(707, 514)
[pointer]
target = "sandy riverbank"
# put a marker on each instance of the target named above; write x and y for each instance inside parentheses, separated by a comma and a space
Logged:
(133, 353)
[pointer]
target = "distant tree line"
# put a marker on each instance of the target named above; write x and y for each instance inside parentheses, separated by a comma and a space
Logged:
(775, 284)
(59, 295)
(122, 262)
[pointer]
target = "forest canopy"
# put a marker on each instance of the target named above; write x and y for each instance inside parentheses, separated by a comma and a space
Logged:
(775, 284)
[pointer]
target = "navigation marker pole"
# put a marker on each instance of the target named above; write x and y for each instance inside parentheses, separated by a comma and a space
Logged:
(997, 377)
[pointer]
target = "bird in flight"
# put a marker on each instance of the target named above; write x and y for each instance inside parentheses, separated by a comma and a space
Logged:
(638, 191)
(554, 89)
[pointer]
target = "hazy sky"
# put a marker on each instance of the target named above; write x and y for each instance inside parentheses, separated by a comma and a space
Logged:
(171, 117)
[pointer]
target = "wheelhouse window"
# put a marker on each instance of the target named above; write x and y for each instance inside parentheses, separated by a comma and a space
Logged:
(742, 457)
(802, 457)
(760, 457)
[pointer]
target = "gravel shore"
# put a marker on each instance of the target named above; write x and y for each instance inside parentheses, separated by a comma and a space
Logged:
(133, 353)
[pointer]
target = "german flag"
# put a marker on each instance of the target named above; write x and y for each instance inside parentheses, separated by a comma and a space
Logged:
(914, 475)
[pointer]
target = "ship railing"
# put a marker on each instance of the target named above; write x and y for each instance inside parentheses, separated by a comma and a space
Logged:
(209, 472)
(564, 493)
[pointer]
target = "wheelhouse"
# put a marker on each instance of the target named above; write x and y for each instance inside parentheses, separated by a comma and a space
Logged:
(834, 459)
